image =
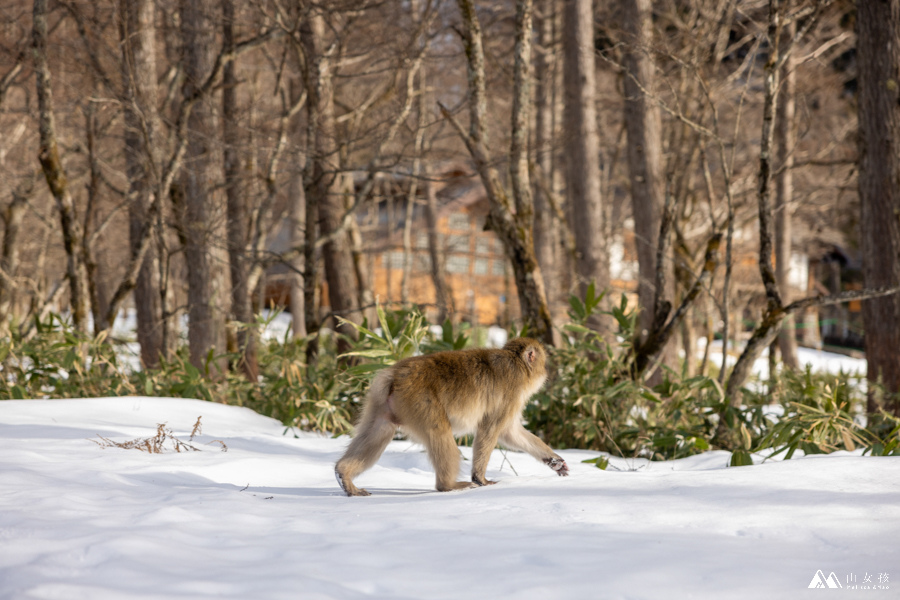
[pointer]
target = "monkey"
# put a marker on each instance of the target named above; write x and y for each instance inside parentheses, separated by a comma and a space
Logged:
(433, 397)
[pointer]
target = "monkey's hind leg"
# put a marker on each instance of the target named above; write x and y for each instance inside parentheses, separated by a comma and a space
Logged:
(485, 441)
(444, 455)
(372, 437)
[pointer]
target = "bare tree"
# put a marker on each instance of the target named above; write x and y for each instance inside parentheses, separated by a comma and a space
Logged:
(706, 94)
(776, 309)
(13, 215)
(582, 145)
(643, 123)
(55, 173)
(325, 191)
(297, 216)
(443, 293)
(201, 211)
(546, 232)
(9, 260)
(878, 26)
(784, 190)
(141, 138)
(774, 313)
(515, 230)
(237, 197)
(418, 146)
(419, 90)
(95, 280)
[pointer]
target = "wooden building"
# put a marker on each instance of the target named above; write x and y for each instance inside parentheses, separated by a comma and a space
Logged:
(474, 262)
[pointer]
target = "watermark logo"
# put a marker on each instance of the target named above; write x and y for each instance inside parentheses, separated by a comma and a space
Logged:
(820, 581)
(870, 581)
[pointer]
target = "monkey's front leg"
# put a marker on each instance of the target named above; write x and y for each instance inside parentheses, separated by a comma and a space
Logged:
(485, 442)
(517, 437)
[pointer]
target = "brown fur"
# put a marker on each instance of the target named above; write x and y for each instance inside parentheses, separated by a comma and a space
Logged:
(434, 397)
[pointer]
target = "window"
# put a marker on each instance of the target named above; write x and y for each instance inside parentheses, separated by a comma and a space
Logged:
(457, 243)
(459, 221)
(457, 264)
(393, 260)
(481, 266)
(423, 262)
(499, 267)
(482, 245)
(422, 239)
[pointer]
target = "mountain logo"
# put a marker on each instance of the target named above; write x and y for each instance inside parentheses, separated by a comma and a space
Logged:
(820, 581)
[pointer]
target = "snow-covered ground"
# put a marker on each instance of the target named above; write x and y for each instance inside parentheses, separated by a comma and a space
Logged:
(266, 519)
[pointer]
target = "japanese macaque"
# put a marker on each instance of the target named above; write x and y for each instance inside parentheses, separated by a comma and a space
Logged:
(434, 397)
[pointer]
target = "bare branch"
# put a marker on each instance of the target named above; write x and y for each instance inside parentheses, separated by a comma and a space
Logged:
(7, 80)
(841, 298)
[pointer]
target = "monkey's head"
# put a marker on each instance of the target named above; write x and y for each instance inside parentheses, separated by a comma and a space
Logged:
(532, 353)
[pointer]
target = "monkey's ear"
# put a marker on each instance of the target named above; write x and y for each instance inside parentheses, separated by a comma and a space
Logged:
(530, 356)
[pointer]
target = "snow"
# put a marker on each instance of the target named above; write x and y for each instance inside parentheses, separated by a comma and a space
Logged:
(819, 361)
(265, 519)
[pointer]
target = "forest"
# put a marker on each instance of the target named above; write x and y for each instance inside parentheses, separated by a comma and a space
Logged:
(630, 182)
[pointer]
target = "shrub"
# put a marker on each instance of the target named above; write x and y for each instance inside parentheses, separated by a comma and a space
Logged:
(821, 414)
(589, 402)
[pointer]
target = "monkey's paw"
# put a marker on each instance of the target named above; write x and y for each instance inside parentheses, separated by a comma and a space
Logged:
(480, 481)
(348, 487)
(558, 465)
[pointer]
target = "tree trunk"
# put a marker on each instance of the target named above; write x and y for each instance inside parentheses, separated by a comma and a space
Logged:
(55, 174)
(408, 213)
(363, 277)
(546, 234)
(96, 291)
(582, 145)
(9, 260)
(236, 194)
(443, 294)
(325, 190)
(201, 211)
(643, 124)
(311, 231)
(442, 291)
(297, 216)
(879, 188)
(418, 145)
(311, 263)
(520, 245)
(422, 109)
(784, 189)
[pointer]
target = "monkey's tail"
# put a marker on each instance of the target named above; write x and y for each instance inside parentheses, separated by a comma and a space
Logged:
(376, 404)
